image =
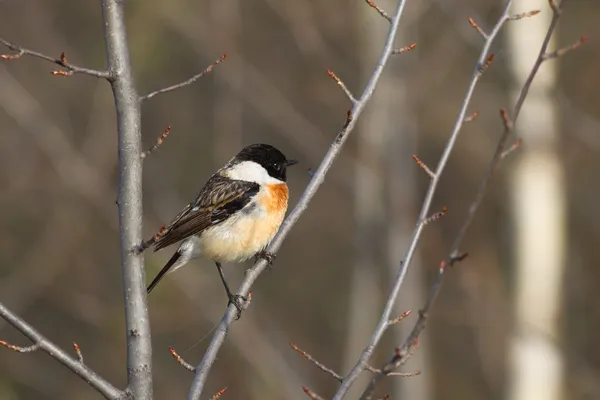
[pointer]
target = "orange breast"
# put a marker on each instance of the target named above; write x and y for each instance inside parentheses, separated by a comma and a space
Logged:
(277, 198)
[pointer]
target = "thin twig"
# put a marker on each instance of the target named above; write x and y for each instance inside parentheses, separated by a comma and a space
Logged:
(561, 52)
(472, 117)
(423, 166)
(62, 61)
(527, 14)
(400, 318)
(321, 366)
(186, 82)
(404, 374)
(311, 394)
(159, 142)
(404, 49)
(424, 213)
(404, 352)
(181, 361)
(435, 216)
(392, 373)
(41, 343)
(478, 28)
(77, 351)
(343, 86)
(317, 180)
(379, 10)
(512, 148)
(20, 349)
(218, 394)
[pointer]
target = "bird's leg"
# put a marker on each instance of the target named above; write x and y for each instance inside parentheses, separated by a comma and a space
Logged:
(138, 249)
(265, 255)
(235, 299)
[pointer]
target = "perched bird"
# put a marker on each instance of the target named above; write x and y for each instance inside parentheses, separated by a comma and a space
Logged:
(234, 216)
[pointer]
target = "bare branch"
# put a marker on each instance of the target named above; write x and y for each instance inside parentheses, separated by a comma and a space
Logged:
(379, 10)
(41, 343)
(512, 148)
(20, 349)
(435, 216)
(404, 49)
(506, 121)
(159, 141)
(127, 103)
(317, 363)
(556, 9)
(561, 52)
(218, 394)
(403, 353)
(186, 82)
(77, 351)
(393, 373)
(478, 28)
(311, 394)
(423, 215)
(400, 318)
(404, 374)
(424, 166)
(62, 61)
(342, 85)
(472, 117)
(523, 15)
(317, 180)
(181, 361)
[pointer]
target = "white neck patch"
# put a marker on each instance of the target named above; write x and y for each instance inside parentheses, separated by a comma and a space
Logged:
(251, 172)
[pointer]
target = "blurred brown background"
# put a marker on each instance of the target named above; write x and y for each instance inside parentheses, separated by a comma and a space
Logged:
(59, 256)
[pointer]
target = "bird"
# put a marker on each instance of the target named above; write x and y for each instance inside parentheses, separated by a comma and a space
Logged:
(233, 217)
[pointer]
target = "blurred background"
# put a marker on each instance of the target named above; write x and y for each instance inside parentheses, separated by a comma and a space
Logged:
(522, 307)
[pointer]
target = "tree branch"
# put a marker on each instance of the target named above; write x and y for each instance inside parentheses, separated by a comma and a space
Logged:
(498, 155)
(403, 353)
(311, 394)
(317, 180)
(186, 82)
(62, 61)
(127, 103)
(319, 365)
(40, 342)
(482, 63)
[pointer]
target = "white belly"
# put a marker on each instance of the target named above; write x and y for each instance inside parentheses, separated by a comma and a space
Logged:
(242, 235)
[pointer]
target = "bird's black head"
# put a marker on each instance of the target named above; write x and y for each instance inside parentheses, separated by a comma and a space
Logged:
(268, 157)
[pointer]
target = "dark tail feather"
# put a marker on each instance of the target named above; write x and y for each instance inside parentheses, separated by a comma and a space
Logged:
(163, 271)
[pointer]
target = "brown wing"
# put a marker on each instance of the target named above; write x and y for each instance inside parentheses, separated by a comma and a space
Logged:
(219, 198)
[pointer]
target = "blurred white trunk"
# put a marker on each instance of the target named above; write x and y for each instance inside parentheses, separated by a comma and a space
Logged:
(538, 207)
(384, 205)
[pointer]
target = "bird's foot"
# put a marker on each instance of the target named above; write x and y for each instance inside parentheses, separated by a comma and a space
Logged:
(138, 248)
(265, 255)
(239, 302)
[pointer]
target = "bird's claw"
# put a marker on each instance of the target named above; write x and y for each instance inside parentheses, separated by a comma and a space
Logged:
(239, 302)
(265, 255)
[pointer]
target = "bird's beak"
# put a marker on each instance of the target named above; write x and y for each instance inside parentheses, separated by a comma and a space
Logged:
(289, 163)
